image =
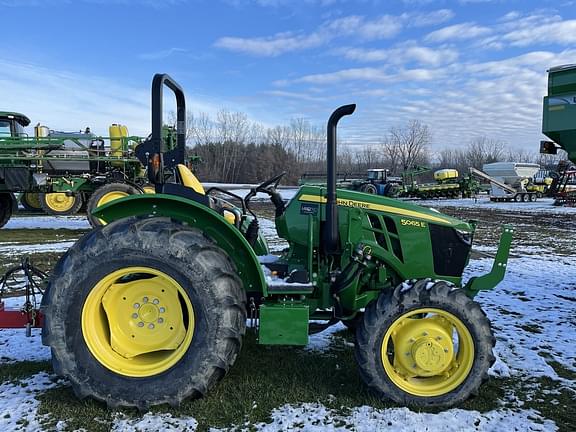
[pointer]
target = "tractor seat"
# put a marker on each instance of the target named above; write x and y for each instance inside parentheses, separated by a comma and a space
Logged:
(189, 180)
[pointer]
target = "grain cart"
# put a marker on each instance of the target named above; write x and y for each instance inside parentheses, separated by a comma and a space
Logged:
(151, 308)
(559, 112)
(511, 181)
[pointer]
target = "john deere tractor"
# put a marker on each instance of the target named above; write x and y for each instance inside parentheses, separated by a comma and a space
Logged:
(152, 307)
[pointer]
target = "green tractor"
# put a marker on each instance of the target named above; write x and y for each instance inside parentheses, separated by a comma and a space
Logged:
(152, 307)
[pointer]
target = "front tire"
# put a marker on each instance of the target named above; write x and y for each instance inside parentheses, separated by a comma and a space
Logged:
(31, 202)
(60, 203)
(406, 350)
(124, 355)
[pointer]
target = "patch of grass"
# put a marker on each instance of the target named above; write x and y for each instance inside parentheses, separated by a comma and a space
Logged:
(531, 328)
(562, 370)
(550, 399)
(13, 372)
(263, 378)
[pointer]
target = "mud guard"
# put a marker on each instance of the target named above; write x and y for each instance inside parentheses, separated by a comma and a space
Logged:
(196, 215)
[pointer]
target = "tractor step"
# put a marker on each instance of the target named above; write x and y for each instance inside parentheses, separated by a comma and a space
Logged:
(281, 287)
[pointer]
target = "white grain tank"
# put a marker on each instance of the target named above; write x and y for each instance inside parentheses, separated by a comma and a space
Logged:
(514, 174)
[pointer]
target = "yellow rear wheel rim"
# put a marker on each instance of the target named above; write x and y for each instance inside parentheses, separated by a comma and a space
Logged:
(59, 202)
(138, 321)
(427, 352)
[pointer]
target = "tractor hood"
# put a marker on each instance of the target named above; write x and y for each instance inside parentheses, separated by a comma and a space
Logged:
(394, 207)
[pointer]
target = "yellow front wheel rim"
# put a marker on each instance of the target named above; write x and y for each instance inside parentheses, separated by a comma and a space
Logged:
(138, 321)
(33, 200)
(109, 197)
(59, 202)
(427, 352)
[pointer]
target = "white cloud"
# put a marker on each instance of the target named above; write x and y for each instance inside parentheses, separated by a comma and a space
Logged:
(461, 31)
(430, 18)
(382, 27)
(407, 53)
(158, 55)
(69, 101)
(561, 33)
(365, 75)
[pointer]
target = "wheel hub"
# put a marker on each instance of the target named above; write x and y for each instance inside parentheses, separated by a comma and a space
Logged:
(429, 355)
(144, 316)
(425, 345)
(59, 201)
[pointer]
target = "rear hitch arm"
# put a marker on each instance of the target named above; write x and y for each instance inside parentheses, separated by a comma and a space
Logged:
(496, 274)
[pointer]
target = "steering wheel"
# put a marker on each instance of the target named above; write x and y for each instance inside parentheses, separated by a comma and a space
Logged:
(274, 182)
(268, 187)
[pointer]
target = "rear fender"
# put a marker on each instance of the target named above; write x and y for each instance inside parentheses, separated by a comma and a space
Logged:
(198, 216)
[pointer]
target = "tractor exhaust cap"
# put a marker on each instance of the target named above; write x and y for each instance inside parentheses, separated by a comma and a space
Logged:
(331, 240)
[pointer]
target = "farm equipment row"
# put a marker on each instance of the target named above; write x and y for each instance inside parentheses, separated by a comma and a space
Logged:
(61, 172)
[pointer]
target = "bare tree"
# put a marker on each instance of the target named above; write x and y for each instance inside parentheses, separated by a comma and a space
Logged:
(407, 146)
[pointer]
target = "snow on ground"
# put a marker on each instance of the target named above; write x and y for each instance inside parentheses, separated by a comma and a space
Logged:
(48, 222)
(16, 347)
(532, 315)
(315, 417)
(11, 249)
(543, 205)
(19, 406)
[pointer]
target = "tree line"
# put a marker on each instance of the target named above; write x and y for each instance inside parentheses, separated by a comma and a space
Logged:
(234, 149)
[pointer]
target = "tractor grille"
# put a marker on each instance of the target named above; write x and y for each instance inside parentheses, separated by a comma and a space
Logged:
(450, 250)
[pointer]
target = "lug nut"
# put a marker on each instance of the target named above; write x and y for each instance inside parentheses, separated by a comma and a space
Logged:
(145, 299)
(162, 310)
(134, 315)
(150, 326)
(140, 324)
(160, 320)
(424, 334)
(445, 350)
(155, 301)
(136, 305)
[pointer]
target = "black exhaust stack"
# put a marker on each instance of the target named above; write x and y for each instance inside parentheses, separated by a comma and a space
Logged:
(331, 240)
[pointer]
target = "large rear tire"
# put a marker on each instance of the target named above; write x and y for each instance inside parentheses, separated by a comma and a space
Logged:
(426, 346)
(369, 188)
(143, 312)
(61, 204)
(105, 194)
(6, 206)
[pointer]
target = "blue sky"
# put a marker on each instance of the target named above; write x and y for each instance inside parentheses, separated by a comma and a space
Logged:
(464, 67)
